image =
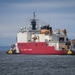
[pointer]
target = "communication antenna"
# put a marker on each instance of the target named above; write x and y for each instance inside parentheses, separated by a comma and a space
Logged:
(34, 15)
(49, 21)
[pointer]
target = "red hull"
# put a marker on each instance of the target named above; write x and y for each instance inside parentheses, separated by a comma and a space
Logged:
(38, 48)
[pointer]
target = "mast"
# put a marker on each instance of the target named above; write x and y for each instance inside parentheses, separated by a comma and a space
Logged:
(34, 15)
(33, 22)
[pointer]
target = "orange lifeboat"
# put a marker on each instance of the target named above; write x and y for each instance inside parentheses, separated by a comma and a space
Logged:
(44, 31)
(64, 31)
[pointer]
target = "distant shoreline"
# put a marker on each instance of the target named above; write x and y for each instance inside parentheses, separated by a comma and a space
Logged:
(2, 48)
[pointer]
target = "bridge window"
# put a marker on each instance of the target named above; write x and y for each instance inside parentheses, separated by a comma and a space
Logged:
(61, 39)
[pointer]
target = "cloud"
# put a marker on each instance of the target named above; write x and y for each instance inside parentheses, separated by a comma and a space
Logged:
(56, 4)
(16, 13)
(39, 5)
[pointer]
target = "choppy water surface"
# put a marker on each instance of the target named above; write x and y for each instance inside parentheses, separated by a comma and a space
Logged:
(36, 64)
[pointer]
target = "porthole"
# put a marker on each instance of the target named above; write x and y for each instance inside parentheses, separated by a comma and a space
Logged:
(36, 44)
(42, 44)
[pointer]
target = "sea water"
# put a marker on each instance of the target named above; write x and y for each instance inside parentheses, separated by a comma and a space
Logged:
(20, 64)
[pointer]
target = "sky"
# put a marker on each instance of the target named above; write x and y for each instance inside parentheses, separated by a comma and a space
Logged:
(14, 14)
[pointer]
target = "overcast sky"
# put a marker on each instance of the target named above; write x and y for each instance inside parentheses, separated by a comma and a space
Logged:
(15, 14)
